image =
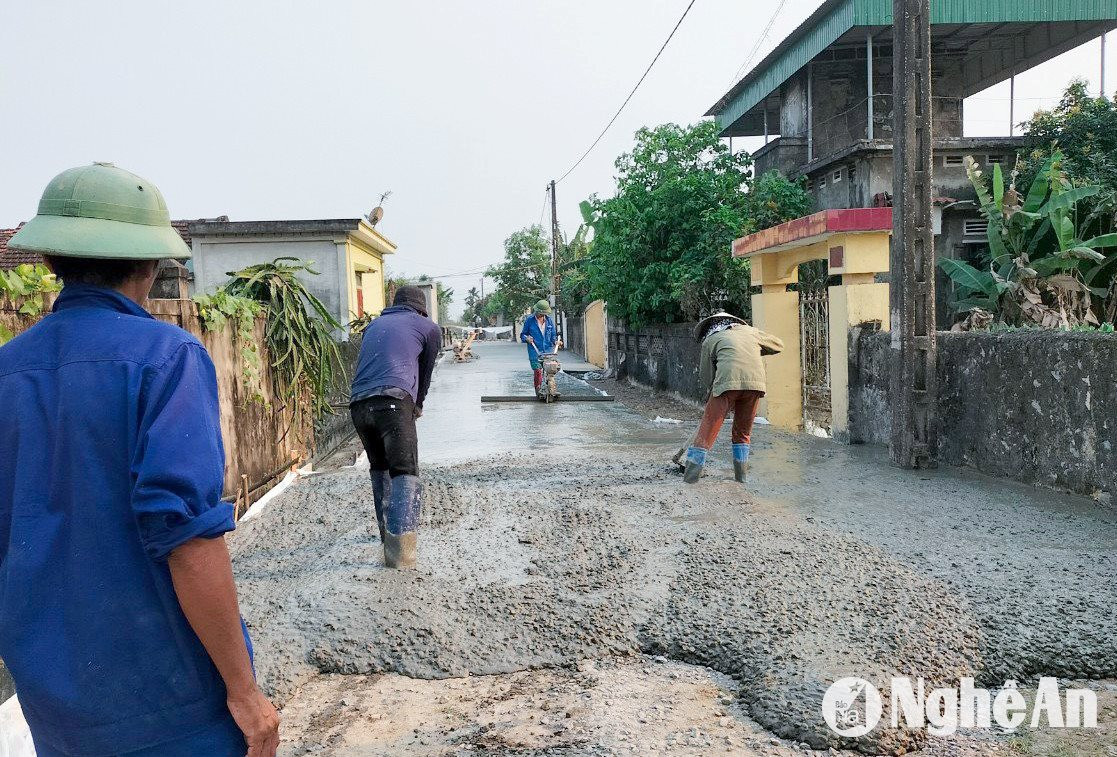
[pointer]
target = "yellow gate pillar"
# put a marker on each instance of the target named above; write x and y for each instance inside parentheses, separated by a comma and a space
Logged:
(857, 258)
(854, 241)
(776, 311)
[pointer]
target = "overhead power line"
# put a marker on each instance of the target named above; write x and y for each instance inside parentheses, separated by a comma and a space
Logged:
(546, 195)
(630, 94)
(756, 48)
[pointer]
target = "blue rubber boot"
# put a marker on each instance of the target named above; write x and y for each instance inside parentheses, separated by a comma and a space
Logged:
(695, 461)
(381, 490)
(401, 522)
(740, 462)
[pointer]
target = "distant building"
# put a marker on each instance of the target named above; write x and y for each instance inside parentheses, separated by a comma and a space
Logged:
(348, 254)
(827, 119)
(430, 292)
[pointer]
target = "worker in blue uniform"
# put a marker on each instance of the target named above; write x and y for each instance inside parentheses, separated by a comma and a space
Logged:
(540, 336)
(119, 620)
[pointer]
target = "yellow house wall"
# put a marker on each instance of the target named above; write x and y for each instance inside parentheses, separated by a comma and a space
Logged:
(777, 312)
(595, 336)
(849, 306)
(360, 260)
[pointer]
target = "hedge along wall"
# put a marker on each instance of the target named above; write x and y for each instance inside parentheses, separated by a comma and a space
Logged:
(258, 439)
(1035, 406)
(661, 356)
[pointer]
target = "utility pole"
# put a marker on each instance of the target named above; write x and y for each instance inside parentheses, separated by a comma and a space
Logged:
(913, 387)
(555, 254)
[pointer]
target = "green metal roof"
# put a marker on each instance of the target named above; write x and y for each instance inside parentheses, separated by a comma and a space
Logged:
(835, 19)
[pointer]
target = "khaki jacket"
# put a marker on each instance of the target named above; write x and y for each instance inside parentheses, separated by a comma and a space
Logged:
(731, 359)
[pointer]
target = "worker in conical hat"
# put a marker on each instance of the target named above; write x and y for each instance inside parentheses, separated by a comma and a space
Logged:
(731, 370)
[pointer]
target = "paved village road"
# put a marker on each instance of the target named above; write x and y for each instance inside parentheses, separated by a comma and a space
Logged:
(575, 597)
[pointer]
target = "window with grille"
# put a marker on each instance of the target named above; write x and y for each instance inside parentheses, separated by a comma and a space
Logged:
(836, 177)
(953, 161)
(995, 160)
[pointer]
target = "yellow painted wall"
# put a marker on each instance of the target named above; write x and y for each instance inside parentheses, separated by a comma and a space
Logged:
(595, 336)
(849, 306)
(864, 253)
(777, 312)
(360, 260)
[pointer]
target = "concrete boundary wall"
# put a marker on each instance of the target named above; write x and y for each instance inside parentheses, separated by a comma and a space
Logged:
(1035, 406)
(663, 356)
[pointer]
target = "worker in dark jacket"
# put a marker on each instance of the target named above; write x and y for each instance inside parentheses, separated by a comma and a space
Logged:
(398, 354)
(118, 612)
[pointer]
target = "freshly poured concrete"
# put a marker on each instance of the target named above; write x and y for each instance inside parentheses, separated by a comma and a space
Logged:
(557, 534)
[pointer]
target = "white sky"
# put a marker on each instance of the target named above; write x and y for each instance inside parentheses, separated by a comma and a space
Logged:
(464, 110)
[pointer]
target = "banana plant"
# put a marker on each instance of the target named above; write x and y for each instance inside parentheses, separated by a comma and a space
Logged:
(1040, 270)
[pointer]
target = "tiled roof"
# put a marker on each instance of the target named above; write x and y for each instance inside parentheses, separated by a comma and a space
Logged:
(10, 258)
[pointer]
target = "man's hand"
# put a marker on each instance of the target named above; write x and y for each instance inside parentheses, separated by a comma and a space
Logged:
(418, 412)
(531, 341)
(202, 574)
(257, 720)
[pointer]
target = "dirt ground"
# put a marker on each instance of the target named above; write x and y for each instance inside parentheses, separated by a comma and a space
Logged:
(574, 597)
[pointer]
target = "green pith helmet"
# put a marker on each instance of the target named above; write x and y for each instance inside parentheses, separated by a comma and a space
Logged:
(101, 211)
(542, 308)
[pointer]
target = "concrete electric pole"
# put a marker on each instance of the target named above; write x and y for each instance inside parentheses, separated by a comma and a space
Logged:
(555, 261)
(554, 246)
(912, 263)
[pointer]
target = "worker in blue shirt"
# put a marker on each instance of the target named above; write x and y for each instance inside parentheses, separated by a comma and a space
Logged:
(541, 338)
(118, 614)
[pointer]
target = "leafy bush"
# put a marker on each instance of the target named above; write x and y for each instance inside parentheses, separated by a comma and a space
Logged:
(222, 307)
(25, 288)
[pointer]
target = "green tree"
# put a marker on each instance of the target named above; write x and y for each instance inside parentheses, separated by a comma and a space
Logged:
(1084, 130)
(472, 305)
(661, 243)
(524, 276)
(774, 199)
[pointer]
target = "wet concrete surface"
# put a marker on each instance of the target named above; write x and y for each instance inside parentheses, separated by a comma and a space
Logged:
(553, 534)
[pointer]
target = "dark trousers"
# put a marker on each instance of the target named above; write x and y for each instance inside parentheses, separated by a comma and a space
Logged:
(386, 426)
(741, 403)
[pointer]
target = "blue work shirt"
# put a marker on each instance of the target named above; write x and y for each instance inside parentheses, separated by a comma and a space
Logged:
(398, 350)
(110, 458)
(545, 338)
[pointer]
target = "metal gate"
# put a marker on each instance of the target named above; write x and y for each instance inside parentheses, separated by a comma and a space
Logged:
(814, 341)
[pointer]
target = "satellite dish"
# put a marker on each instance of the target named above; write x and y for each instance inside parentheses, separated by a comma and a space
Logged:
(378, 212)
